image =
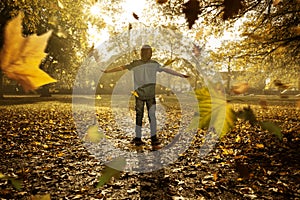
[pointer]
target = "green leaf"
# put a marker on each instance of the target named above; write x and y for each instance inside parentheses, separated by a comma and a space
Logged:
(215, 111)
(194, 122)
(248, 115)
(2, 176)
(112, 169)
(93, 135)
(16, 183)
(271, 127)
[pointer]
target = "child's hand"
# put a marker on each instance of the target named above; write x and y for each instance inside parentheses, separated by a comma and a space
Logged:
(184, 76)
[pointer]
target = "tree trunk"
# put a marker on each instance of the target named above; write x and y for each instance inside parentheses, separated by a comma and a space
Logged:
(1, 85)
(45, 92)
(228, 76)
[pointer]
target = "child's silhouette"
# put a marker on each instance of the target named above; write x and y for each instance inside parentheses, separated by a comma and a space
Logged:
(144, 73)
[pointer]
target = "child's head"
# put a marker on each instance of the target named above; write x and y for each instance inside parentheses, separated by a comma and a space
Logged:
(146, 52)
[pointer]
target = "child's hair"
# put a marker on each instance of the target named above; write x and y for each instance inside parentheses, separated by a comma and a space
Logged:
(146, 52)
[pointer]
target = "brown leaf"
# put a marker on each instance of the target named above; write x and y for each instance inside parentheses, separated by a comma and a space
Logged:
(196, 50)
(263, 103)
(191, 9)
(161, 1)
(135, 16)
(240, 88)
(242, 169)
(231, 8)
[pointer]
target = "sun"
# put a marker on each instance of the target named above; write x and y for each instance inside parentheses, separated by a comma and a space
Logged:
(127, 7)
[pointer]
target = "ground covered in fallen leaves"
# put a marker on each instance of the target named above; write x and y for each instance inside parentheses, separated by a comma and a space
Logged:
(42, 157)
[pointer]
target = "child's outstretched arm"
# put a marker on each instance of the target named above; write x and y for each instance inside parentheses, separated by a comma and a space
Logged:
(172, 72)
(116, 69)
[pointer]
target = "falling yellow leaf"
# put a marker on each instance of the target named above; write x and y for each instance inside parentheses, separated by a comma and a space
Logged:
(21, 56)
(134, 93)
(60, 4)
(240, 88)
(215, 112)
(168, 62)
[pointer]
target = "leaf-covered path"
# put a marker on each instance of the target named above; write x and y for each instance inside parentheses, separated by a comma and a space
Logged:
(40, 147)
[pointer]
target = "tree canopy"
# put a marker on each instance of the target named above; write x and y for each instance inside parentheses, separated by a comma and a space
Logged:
(256, 32)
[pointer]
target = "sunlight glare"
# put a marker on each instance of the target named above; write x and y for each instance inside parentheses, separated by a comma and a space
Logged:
(133, 6)
(96, 37)
(95, 10)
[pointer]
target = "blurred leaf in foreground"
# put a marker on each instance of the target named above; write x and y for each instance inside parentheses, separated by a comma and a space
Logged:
(248, 115)
(21, 56)
(191, 9)
(240, 88)
(215, 111)
(93, 135)
(194, 122)
(112, 169)
(15, 182)
(272, 128)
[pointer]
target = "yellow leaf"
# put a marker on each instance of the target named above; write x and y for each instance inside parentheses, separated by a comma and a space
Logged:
(20, 56)
(199, 34)
(41, 197)
(112, 169)
(260, 146)
(240, 88)
(134, 93)
(168, 62)
(93, 135)
(215, 176)
(61, 154)
(2, 175)
(214, 111)
(238, 138)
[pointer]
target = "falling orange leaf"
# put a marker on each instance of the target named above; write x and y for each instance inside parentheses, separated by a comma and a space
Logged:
(240, 88)
(20, 57)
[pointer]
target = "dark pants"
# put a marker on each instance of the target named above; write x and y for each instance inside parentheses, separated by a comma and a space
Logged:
(139, 108)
